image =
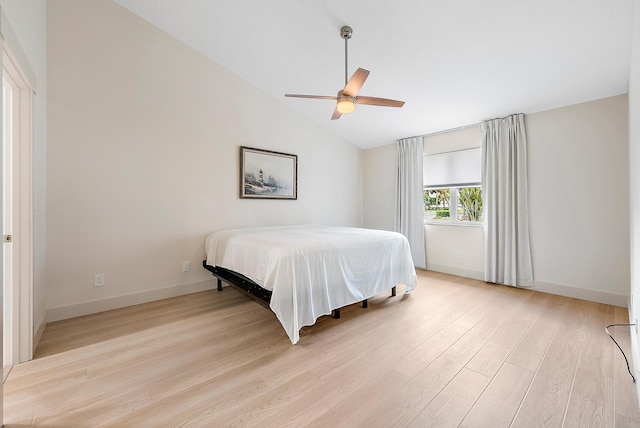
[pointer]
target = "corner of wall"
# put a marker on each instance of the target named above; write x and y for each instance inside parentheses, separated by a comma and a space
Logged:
(39, 328)
(634, 185)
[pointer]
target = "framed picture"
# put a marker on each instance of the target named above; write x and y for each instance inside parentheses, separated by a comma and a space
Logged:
(268, 175)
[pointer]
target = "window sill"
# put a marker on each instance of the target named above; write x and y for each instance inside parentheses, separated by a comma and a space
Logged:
(454, 223)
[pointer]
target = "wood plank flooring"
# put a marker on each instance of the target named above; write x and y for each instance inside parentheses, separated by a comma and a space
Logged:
(456, 352)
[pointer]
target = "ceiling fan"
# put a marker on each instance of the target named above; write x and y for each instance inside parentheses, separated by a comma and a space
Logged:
(347, 98)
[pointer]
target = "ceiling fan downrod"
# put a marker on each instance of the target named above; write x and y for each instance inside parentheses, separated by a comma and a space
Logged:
(346, 32)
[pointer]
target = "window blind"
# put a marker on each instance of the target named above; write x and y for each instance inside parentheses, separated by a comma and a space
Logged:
(452, 168)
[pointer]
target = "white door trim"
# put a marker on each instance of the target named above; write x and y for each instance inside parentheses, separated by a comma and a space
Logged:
(14, 63)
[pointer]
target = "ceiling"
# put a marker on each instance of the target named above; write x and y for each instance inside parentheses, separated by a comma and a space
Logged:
(455, 63)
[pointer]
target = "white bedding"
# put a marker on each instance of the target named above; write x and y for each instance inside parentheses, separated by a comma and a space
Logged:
(312, 270)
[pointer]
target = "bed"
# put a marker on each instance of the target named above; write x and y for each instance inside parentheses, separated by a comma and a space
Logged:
(305, 272)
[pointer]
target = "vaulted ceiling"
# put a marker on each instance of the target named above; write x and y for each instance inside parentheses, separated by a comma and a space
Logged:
(454, 63)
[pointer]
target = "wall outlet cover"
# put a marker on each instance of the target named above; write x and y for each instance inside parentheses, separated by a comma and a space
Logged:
(98, 280)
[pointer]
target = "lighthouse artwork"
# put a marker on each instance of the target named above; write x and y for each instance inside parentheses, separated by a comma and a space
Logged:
(266, 174)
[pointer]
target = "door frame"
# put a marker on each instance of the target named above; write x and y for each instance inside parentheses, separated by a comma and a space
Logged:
(14, 62)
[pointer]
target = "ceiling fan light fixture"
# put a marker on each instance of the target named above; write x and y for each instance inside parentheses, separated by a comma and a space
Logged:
(346, 105)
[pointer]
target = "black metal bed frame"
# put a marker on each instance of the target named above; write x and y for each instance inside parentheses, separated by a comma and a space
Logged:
(254, 289)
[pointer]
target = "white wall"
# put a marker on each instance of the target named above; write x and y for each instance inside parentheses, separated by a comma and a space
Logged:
(634, 180)
(574, 151)
(578, 199)
(28, 20)
(458, 250)
(143, 156)
(459, 139)
(379, 178)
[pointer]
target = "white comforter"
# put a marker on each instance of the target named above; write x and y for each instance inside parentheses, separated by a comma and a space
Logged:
(312, 270)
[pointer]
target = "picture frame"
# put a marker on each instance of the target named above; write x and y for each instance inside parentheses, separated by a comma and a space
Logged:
(266, 174)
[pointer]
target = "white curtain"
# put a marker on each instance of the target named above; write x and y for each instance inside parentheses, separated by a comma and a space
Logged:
(504, 190)
(409, 217)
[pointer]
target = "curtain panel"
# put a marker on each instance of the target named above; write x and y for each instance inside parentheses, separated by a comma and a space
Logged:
(504, 189)
(409, 215)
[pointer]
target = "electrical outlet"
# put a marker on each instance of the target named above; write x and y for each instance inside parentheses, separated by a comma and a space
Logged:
(98, 280)
(186, 266)
(458, 253)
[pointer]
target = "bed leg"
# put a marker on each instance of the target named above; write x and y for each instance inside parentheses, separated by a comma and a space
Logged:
(336, 313)
(393, 291)
(219, 285)
(365, 304)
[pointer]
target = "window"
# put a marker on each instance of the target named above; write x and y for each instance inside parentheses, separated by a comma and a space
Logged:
(452, 191)
(453, 204)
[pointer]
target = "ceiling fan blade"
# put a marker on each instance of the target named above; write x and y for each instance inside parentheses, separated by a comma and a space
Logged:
(355, 83)
(318, 97)
(336, 114)
(374, 101)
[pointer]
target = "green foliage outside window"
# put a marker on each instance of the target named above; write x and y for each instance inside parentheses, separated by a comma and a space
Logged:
(470, 200)
(437, 198)
(467, 204)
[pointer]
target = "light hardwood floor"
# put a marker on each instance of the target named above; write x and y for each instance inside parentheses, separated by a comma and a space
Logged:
(456, 352)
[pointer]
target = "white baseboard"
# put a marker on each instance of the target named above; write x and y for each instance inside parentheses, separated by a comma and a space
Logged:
(582, 293)
(452, 270)
(87, 308)
(544, 287)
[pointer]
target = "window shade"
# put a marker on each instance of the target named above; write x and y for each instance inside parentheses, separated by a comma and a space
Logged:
(452, 168)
